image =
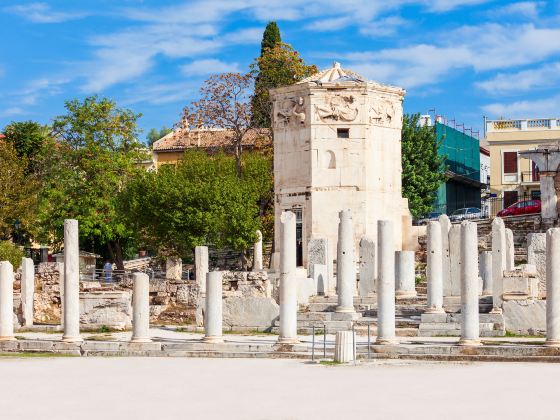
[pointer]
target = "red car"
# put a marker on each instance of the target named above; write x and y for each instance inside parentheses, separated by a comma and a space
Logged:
(521, 207)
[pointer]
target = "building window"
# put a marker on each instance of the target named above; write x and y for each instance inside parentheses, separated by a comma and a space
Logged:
(510, 172)
(343, 133)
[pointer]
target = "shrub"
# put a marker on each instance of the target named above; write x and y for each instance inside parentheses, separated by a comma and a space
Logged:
(12, 253)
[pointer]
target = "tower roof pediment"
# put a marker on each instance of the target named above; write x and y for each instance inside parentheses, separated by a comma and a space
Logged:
(334, 74)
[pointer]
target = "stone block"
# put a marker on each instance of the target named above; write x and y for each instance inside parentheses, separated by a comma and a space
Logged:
(345, 316)
(305, 289)
(321, 279)
(519, 285)
(433, 318)
(368, 267)
(536, 255)
(525, 316)
(249, 312)
(112, 309)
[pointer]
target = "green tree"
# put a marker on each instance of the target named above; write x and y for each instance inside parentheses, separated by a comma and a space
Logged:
(154, 135)
(271, 37)
(18, 191)
(278, 66)
(199, 201)
(12, 253)
(96, 156)
(28, 139)
(423, 169)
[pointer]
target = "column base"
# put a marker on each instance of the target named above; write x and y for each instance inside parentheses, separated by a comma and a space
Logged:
(77, 340)
(552, 343)
(345, 309)
(141, 340)
(8, 338)
(212, 339)
(469, 342)
(386, 341)
(287, 340)
(434, 311)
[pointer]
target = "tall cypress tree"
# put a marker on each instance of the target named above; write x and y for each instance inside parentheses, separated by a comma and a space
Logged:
(271, 37)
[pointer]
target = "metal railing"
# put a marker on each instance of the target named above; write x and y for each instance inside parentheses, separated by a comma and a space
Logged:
(530, 177)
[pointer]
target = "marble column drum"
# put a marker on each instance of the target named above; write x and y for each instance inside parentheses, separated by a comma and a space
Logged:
(71, 283)
(553, 287)
(405, 274)
(27, 290)
(498, 263)
(213, 308)
(434, 269)
(288, 285)
(470, 335)
(140, 308)
(385, 283)
(6, 301)
(258, 253)
(485, 271)
(346, 263)
(201, 266)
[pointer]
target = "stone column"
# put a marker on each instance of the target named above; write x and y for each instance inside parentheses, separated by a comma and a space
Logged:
(60, 269)
(27, 290)
(498, 263)
(405, 274)
(368, 267)
(6, 301)
(445, 227)
(288, 285)
(71, 283)
(258, 253)
(385, 282)
(510, 250)
(469, 285)
(453, 286)
(434, 269)
(201, 266)
(213, 312)
(346, 264)
(485, 272)
(141, 308)
(553, 287)
(344, 347)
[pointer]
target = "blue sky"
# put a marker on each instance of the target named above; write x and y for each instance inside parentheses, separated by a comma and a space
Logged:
(465, 58)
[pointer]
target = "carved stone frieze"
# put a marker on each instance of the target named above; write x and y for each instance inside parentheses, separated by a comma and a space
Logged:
(384, 112)
(290, 111)
(337, 108)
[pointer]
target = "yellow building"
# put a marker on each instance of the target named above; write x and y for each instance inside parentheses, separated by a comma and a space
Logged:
(510, 176)
(171, 148)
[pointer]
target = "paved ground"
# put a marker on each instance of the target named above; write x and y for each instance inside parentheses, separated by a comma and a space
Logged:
(183, 388)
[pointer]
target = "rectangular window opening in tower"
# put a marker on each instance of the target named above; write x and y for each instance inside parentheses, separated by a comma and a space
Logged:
(343, 133)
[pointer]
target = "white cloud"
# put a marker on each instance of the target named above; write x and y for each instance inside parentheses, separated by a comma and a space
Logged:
(42, 13)
(448, 5)
(541, 108)
(480, 48)
(209, 66)
(12, 112)
(160, 93)
(526, 80)
(383, 27)
(523, 9)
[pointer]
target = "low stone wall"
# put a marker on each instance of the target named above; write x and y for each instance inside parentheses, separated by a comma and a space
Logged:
(248, 301)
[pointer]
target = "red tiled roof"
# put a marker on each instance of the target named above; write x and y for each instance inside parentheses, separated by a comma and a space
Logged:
(209, 138)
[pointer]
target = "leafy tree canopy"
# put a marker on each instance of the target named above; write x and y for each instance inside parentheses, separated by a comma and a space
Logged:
(199, 201)
(280, 65)
(423, 169)
(28, 139)
(18, 192)
(12, 253)
(96, 156)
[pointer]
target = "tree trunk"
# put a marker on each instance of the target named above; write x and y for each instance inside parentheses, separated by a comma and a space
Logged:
(238, 150)
(115, 249)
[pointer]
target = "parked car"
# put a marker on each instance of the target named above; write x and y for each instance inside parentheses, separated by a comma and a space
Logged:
(521, 207)
(465, 213)
(430, 216)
